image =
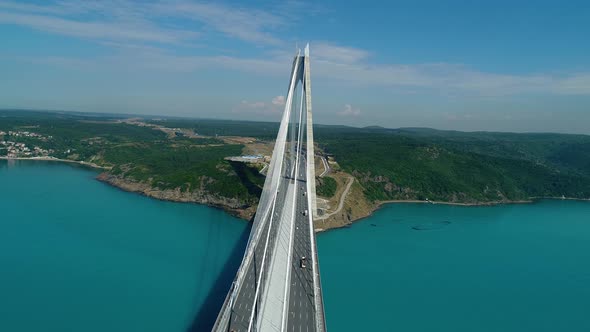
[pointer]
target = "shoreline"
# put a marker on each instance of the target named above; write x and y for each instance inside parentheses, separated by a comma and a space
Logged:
(241, 213)
(380, 204)
(561, 198)
(83, 163)
(490, 203)
(231, 207)
(248, 212)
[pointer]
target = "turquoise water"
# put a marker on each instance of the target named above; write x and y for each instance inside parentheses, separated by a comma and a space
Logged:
(508, 268)
(79, 255)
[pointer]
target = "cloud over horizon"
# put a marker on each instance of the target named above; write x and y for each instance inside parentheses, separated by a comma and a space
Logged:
(349, 111)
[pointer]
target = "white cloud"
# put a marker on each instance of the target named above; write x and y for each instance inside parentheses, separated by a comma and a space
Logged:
(279, 101)
(273, 108)
(338, 54)
(253, 104)
(97, 30)
(103, 20)
(125, 19)
(242, 23)
(11, 5)
(576, 84)
(449, 78)
(354, 69)
(349, 111)
(132, 28)
(438, 78)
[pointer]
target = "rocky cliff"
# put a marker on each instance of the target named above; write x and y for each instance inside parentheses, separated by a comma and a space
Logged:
(231, 205)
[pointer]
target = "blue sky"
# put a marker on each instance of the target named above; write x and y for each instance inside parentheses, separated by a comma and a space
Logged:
(465, 65)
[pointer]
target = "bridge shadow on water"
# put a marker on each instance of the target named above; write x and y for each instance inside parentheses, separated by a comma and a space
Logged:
(207, 313)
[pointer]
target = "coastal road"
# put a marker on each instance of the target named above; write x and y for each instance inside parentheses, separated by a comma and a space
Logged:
(341, 203)
(326, 166)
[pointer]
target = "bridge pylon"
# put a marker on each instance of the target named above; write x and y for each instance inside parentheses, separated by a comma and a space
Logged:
(277, 287)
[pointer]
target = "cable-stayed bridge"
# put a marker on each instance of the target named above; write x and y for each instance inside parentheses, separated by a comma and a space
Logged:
(277, 287)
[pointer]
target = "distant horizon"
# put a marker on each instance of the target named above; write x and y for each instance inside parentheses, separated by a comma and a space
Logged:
(153, 116)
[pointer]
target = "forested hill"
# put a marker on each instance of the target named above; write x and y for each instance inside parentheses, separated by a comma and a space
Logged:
(187, 156)
(471, 167)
